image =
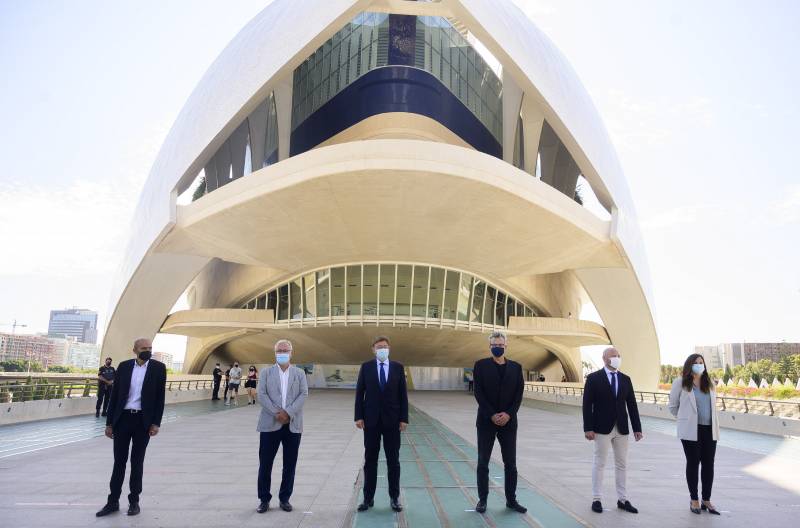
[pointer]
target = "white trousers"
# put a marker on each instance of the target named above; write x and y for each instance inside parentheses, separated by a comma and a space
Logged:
(619, 443)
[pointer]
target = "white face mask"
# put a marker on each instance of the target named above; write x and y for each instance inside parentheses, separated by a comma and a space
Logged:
(615, 362)
(382, 354)
(698, 368)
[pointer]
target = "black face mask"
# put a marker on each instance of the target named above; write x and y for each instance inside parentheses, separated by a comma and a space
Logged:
(108, 363)
(144, 355)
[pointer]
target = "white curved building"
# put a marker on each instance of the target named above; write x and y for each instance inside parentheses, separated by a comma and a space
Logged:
(388, 167)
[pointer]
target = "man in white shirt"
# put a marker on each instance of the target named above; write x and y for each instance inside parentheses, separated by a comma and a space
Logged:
(134, 416)
(281, 394)
(233, 385)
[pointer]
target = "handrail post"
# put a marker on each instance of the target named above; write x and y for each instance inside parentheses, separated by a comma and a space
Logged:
(746, 410)
(771, 410)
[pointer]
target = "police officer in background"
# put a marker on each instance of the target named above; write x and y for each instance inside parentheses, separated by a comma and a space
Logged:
(105, 379)
(217, 379)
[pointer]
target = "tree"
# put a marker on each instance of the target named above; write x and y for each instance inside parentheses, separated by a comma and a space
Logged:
(200, 190)
(63, 369)
(728, 374)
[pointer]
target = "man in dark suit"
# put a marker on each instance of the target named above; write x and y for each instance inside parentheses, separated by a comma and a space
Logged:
(382, 412)
(134, 415)
(498, 389)
(608, 399)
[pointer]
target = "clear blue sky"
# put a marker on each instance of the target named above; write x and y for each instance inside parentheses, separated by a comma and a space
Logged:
(699, 98)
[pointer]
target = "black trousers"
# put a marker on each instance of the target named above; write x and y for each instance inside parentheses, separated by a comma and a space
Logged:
(103, 395)
(391, 448)
(700, 453)
(129, 433)
(215, 393)
(508, 448)
(267, 449)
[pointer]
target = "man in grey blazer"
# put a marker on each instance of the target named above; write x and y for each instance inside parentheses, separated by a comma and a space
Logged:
(281, 394)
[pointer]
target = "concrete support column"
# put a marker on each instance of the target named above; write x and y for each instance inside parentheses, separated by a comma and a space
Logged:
(532, 123)
(283, 106)
(512, 102)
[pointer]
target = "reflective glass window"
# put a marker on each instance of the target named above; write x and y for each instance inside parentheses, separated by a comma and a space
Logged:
(419, 293)
(337, 291)
(520, 312)
(528, 312)
(477, 302)
(403, 303)
(309, 295)
(450, 295)
(371, 289)
(500, 309)
(283, 302)
(464, 292)
(509, 309)
(488, 305)
(272, 300)
(387, 282)
(295, 296)
(435, 296)
(353, 290)
(323, 292)
(261, 301)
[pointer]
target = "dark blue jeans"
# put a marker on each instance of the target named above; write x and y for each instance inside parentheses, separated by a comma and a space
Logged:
(268, 448)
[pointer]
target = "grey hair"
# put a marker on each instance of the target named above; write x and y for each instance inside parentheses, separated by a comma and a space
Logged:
(497, 334)
(284, 342)
(610, 349)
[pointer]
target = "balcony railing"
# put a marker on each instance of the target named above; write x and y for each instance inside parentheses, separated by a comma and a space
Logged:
(780, 408)
(15, 392)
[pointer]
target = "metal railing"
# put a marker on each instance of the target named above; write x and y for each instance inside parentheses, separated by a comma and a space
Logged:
(781, 408)
(57, 389)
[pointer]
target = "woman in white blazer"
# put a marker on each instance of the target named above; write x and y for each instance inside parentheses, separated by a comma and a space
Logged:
(694, 402)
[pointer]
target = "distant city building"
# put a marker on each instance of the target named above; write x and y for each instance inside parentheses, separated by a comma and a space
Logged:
(773, 351)
(78, 323)
(712, 355)
(177, 366)
(733, 354)
(27, 347)
(83, 355)
(164, 357)
(61, 345)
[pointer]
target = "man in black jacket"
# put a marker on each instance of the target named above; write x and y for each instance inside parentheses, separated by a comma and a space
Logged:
(381, 410)
(498, 389)
(134, 415)
(608, 399)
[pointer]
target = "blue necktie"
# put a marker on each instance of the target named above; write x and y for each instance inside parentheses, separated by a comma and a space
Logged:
(383, 377)
(614, 383)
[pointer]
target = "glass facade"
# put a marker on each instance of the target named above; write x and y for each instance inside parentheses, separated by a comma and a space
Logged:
(372, 40)
(396, 293)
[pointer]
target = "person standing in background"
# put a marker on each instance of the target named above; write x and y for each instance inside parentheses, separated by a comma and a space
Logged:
(105, 380)
(217, 379)
(251, 384)
(235, 376)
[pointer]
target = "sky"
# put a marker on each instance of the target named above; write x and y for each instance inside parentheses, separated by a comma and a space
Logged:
(699, 99)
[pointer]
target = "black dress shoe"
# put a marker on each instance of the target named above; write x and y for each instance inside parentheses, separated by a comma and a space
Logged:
(108, 508)
(285, 506)
(627, 506)
(710, 510)
(396, 506)
(103, 413)
(597, 507)
(517, 507)
(133, 508)
(264, 506)
(97, 413)
(481, 506)
(364, 506)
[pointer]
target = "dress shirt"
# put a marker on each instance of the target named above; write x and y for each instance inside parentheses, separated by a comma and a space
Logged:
(385, 369)
(284, 384)
(135, 392)
(608, 374)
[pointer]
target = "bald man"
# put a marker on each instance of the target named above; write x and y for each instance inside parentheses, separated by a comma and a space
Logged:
(134, 415)
(608, 399)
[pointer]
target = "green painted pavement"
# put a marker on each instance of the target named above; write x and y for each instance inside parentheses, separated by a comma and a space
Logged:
(438, 489)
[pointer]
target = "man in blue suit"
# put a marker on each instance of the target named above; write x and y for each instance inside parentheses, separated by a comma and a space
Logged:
(381, 410)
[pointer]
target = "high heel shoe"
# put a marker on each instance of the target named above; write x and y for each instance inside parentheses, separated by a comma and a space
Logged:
(709, 509)
(694, 510)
